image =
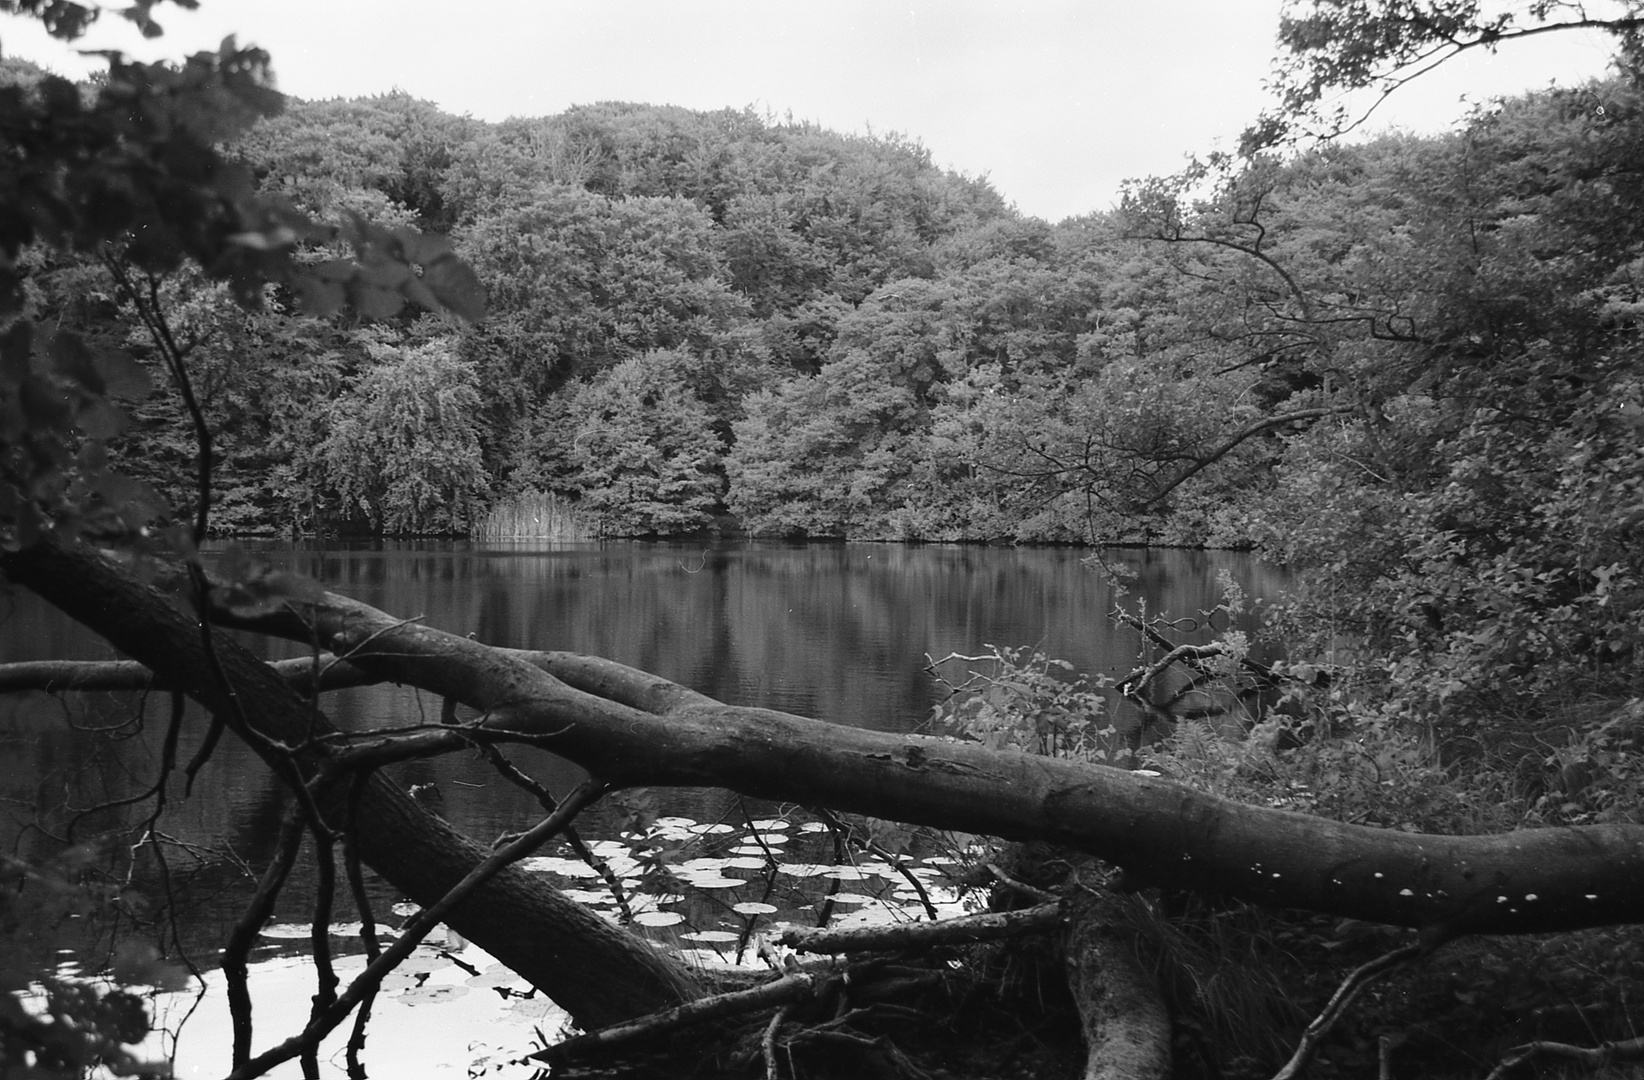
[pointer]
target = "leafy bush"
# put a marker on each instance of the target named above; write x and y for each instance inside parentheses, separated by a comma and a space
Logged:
(403, 450)
(646, 456)
(1027, 701)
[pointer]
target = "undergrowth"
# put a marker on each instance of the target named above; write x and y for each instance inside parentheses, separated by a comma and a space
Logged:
(1242, 982)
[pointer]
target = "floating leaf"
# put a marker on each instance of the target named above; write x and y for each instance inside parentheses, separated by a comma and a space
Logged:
(531, 1007)
(496, 975)
(705, 881)
(846, 873)
(711, 935)
(285, 931)
(658, 918)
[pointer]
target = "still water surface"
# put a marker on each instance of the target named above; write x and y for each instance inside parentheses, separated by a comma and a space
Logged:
(839, 632)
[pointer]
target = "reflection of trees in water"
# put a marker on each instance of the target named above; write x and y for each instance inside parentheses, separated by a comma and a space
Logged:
(835, 631)
(838, 631)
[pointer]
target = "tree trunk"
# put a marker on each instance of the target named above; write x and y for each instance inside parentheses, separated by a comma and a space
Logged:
(632, 728)
(1126, 1025)
(598, 973)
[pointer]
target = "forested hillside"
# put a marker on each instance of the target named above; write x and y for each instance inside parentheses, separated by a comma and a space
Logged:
(717, 320)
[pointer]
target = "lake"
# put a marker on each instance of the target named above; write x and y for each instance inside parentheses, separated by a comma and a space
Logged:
(840, 632)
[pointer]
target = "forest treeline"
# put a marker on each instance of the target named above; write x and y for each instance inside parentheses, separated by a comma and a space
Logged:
(704, 319)
(707, 318)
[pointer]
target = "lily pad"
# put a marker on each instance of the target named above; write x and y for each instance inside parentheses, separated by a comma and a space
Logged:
(711, 935)
(658, 918)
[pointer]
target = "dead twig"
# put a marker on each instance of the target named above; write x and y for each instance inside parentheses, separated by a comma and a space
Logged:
(1350, 988)
(545, 799)
(767, 1044)
(789, 989)
(1602, 1054)
(1022, 887)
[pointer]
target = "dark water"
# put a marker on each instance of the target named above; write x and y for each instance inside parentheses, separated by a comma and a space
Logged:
(839, 632)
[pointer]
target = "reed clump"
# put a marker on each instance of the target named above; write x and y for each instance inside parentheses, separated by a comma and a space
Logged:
(533, 515)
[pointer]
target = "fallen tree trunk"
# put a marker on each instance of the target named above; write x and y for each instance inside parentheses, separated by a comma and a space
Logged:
(631, 728)
(962, 930)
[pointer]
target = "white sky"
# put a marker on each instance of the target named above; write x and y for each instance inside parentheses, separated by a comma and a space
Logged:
(1056, 101)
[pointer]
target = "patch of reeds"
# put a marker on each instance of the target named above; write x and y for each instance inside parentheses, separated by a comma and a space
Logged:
(533, 515)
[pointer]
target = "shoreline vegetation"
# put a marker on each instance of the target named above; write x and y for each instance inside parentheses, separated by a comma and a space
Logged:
(533, 515)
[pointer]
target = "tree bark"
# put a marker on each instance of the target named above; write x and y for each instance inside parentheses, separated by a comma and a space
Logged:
(632, 728)
(598, 973)
(1126, 1025)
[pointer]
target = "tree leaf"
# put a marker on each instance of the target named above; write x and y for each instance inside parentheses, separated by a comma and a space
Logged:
(316, 296)
(133, 499)
(70, 356)
(98, 419)
(375, 302)
(16, 348)
(123, 376)
(456, 286)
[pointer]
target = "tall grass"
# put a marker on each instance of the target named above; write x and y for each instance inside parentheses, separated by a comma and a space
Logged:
(533, 515)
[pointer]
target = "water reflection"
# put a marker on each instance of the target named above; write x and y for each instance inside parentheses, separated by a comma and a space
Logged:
(839, 632)
(834, 631)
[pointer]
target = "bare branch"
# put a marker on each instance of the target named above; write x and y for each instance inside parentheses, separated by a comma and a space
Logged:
(412, 934)
(1208, 458)
(1594, 1056)
(244, 935)
(799, 986)
(1350, 988)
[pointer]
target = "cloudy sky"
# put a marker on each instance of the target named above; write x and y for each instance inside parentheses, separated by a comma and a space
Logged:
(1056, 101)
